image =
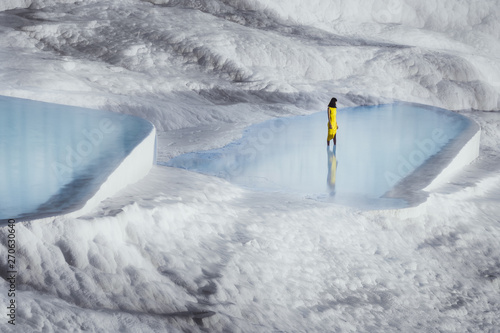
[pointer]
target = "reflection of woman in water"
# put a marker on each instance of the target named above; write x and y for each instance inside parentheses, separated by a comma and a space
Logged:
(332, 122)
(332, 170)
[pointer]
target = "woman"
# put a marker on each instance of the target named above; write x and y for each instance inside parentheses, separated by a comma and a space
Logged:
(332, 122)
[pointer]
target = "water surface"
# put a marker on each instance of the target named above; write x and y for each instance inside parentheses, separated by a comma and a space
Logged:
(53, 157)
(377, 146)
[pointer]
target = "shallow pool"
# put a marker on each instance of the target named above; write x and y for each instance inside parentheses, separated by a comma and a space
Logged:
(377, 146)
(54, 157)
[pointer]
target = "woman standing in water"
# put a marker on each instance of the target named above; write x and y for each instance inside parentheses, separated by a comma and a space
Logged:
(332, 122)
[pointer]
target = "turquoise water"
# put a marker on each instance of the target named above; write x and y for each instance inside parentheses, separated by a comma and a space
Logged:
(377, 146)
(55, 157)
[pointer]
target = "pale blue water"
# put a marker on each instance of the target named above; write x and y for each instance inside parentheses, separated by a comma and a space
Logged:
(54, 157)
(377, 146)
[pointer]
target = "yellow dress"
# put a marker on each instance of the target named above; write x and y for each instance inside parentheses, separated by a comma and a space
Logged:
(333, 122)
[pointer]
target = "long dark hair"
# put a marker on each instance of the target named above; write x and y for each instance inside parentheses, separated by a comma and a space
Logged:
(333, 103)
